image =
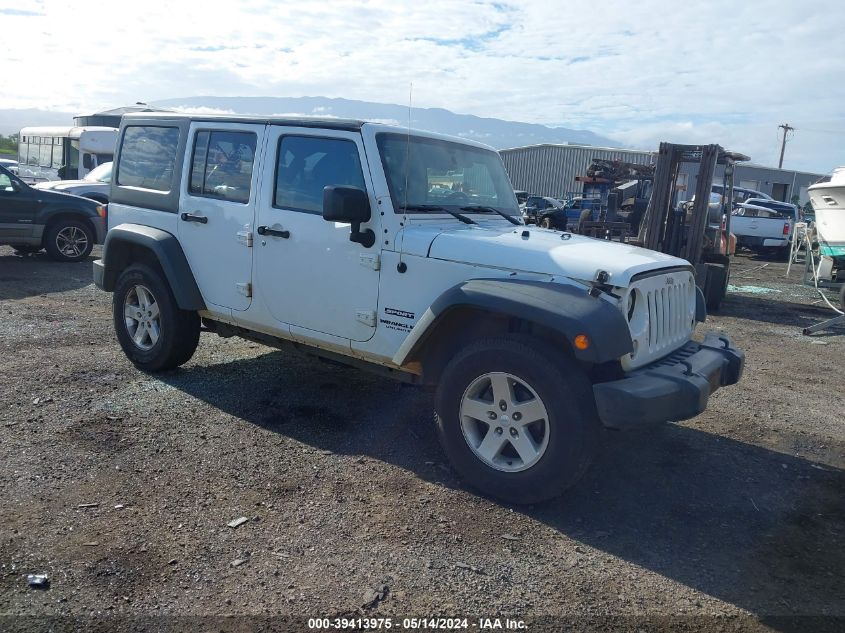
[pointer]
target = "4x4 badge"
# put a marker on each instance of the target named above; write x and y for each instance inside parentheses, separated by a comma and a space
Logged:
(670, 281)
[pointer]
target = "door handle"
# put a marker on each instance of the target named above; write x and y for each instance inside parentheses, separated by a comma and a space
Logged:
(190, 217)
(266, 230)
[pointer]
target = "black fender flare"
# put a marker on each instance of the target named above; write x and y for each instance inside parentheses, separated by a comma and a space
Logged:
(165, 248)
(566, 309)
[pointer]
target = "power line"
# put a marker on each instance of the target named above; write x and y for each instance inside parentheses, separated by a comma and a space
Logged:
(818, 131)
(786, 128)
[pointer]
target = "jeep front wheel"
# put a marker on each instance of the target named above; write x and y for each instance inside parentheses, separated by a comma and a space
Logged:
(517, 421)
(153, 331)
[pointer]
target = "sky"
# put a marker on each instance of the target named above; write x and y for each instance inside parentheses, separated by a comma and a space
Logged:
(715, 72)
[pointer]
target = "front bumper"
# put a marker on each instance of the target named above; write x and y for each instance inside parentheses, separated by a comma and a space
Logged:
(674, 388)
(99, 273)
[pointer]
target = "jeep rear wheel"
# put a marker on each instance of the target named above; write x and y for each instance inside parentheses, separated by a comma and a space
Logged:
(153, 331)
(517, 421)
(69, 240)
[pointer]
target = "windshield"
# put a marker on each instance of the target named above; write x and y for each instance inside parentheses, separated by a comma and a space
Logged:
(100, 174)
(431, 172)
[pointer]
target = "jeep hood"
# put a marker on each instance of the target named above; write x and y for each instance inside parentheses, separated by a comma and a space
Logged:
(547, 252)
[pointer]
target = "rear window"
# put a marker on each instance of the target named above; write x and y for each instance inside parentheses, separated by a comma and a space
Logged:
(766, 209)
(148, 157)
(221, 165)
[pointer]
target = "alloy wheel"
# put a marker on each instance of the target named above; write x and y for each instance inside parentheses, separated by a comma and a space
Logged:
(142, 318)
(71, 241)
(504, 422)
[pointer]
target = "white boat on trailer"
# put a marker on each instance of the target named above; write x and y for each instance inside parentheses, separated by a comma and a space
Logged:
(828, 200)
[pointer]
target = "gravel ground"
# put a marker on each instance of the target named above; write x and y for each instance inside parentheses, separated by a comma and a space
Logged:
(120, 485)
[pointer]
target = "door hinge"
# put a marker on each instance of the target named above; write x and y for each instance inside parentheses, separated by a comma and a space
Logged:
(370, 260)
(244, 288)
(245, 238)
(367, 317)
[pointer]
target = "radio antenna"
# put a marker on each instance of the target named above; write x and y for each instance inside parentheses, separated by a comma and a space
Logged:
(401, 267)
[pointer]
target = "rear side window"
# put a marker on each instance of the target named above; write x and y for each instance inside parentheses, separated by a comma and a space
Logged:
(148, 157)
(221, 165)
(306, 165)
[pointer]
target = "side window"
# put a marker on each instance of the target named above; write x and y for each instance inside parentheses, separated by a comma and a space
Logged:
(306, 165)
(221, 165)
(57, 154)
(46, 153)
(148, 157)
(5, 183)
(33, 155)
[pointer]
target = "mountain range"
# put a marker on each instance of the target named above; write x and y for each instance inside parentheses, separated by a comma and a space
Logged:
(496, 132)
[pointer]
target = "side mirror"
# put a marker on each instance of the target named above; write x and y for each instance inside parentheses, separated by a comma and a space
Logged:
(349, 204)
(86, 161)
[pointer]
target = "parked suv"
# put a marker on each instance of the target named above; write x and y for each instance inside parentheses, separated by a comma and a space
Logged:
(30, 219)
(332, 236)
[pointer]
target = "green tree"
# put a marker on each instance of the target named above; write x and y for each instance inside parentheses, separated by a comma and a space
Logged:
(9, 144)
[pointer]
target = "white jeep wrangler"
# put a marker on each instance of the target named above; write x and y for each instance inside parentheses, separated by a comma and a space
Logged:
(402, 251)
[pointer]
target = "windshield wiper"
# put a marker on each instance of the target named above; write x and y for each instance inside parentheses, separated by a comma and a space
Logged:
(427, 208)
(509, 218)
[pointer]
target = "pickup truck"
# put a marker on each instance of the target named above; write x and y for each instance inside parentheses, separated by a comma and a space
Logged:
(761, 224)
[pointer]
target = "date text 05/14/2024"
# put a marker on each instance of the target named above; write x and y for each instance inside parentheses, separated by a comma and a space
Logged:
(432, 623)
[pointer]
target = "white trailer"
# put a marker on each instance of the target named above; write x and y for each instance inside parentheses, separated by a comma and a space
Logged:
(63, 153)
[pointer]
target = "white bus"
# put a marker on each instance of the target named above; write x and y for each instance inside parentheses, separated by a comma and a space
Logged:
(63, 153)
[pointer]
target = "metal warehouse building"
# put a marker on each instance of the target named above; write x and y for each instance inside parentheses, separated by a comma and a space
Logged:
(550, 170)
(780, 184)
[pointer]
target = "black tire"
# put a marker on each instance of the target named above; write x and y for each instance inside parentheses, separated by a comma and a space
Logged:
(715, 286)
(64, 248)
(573, 427)
(178, 330)
(546, 223)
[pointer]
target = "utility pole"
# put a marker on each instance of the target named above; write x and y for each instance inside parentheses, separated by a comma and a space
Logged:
(786, 128)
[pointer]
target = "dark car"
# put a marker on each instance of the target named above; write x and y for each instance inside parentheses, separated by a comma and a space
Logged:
(31, 219)
(542, 210)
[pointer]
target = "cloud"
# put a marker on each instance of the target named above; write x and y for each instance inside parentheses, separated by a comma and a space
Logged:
(201, 110)
(20, 12)
(715, 72)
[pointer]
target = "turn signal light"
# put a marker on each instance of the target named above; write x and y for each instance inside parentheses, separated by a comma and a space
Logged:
(102, 210)
(582, 342)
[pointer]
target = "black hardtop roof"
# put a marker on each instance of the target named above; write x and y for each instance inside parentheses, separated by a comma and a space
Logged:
(351, 125)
